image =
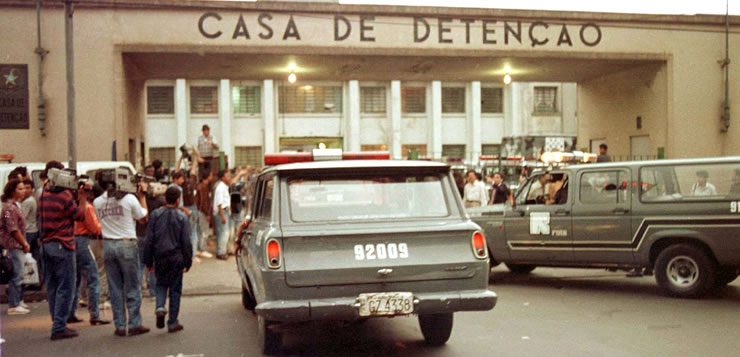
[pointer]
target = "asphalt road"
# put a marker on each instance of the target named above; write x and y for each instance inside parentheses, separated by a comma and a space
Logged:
(552, 312)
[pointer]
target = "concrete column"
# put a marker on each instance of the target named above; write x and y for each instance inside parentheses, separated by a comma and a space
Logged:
(474, 123)
(181, 112)
(353, 132)
(268, 116)
(395, 143)
(224, 116)
(435, 125)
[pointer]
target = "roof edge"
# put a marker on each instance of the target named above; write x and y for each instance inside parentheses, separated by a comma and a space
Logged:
(389, 10)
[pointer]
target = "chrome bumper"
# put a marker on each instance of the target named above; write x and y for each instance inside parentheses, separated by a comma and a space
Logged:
(344, 308)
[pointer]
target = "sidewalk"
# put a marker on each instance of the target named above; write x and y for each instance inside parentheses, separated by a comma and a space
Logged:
(209, 277)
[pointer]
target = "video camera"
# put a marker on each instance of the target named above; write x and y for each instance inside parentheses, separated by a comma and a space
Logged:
(186, 152)
(119, 179)
(153, 188)
(66, 179)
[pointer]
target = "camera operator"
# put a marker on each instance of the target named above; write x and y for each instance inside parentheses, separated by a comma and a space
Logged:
(117, 212)
(58, 212)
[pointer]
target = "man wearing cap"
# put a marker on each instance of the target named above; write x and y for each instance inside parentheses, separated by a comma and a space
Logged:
(207, 149)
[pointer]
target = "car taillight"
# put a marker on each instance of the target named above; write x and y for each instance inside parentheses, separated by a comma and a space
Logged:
(273, 254)
(479, 245)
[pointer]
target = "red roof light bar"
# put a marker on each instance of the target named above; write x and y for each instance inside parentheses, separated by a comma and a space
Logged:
(289, 158)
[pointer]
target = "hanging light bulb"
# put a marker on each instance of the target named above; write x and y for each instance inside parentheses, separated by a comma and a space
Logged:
(507, 78)
(292, 77)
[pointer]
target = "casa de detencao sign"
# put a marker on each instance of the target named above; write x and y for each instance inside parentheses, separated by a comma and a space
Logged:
(337, 28)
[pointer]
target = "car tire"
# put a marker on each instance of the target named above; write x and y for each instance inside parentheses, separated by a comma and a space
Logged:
(247, 299)
(520, 268)
(685, 271)
(725, 275)
(269, 341)
(436, 328)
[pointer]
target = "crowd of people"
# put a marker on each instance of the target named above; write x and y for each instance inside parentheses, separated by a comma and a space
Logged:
(97, 243)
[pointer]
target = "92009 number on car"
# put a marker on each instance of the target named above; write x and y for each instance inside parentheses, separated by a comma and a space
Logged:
(381, 251)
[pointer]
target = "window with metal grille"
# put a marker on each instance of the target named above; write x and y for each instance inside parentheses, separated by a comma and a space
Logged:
(372, 99)
(374, 147)
(160, 100)
(492, 100)
(248, 156)
(203, 100)
(412, 151)
(246, 99)
(164, 154)
(414, 99)
(491, 149)
(453, 100)
(453, 151)
(545, 99)
(310, 99)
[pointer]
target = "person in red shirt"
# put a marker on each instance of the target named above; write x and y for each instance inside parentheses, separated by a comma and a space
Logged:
(85, 231)
(12, 239)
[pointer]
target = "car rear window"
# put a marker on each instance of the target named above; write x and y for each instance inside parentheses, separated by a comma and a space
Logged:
(379, 197)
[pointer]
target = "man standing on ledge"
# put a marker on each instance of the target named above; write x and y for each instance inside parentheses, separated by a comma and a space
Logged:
(207, 149)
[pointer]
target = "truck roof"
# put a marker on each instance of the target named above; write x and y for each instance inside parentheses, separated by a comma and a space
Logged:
(669, 162)
(356, 164)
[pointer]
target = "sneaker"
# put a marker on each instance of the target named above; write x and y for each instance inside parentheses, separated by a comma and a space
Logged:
(196, 259)
(174, 328)
(105, 306)
(23, 305)
(160, 313)
(18, 310)
(121, 332)
(222, 257)
(68, 333)
(205, 254)
(138, 330)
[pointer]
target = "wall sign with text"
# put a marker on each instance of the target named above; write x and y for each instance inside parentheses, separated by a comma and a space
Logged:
(14, 96)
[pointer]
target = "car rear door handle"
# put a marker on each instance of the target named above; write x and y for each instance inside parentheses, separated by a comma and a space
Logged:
(562, 212)
(620, 210)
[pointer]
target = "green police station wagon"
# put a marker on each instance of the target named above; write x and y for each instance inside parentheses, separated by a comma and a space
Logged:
(351, 240)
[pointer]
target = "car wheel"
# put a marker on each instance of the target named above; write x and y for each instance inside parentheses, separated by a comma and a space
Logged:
(247, 299)
(520, 268)
(685, 271)
(725, 275)
(269, 340)
(436, 328)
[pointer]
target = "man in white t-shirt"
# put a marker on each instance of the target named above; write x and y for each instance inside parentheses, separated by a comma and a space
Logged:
(221, 212)
(117, 212)
(475, 191)
(702, 187)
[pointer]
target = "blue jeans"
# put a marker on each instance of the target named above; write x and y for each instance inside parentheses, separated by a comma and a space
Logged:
(194, 228)
(86, 265)
(123, 267)
(222, 234)
(61, 269)
(35, 243)
(15, 290)
(175, 292)
(151, 279)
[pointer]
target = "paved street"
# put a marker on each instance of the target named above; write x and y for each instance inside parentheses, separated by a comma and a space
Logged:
(551, 312)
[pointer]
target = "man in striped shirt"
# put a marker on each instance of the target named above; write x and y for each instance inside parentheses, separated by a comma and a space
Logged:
(58, 210)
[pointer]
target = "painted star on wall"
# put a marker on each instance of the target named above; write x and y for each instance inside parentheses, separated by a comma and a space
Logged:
(10, 78)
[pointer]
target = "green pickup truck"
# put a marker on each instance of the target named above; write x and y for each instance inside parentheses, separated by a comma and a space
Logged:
(678, 218)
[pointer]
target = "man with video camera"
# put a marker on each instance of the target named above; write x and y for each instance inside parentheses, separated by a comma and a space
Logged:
(58, 212)
(117, 208)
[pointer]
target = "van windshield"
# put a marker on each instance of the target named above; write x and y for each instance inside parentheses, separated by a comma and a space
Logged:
(370, 197)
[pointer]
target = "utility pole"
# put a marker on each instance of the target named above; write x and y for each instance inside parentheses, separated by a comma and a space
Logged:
(69, 45)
